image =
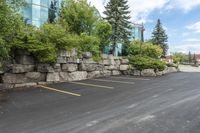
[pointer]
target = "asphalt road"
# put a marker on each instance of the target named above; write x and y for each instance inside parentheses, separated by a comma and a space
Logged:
(169, 104)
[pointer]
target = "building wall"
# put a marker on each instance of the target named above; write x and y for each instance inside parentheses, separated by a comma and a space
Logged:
(36, 11)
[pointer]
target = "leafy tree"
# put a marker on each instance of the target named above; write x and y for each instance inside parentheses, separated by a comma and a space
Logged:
(189, 57)
(78, 15)
(10, 24)
(103, 31)
(52, 11)
(179, 57)
(118, 15)
(160, 38)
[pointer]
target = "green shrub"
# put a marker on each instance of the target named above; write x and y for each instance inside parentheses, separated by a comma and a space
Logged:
(144, 49)
(146, 62)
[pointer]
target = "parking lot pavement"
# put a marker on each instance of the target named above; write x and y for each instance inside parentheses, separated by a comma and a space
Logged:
(117, 104)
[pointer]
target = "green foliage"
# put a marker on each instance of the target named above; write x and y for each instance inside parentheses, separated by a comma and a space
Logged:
(159, 37)
(144, 49)
(103, 31)
(78, 15)
(10, 24)
(119, 19)
(89, 43)
(179, 57)
(145, 62)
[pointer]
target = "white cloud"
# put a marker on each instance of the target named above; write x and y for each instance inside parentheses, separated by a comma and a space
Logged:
(194, 27)
(141, 9)
(186, 5)
(193, 47)
(192, 40)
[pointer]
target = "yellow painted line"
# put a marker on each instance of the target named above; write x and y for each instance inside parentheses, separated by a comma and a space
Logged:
(92, 85)
(114, 81)
(129, 78)
(60, 91)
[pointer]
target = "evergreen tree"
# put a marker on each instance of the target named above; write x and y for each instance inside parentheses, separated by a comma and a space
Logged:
(118, 15)
(52, 11)
(189, 57)
(159, 37)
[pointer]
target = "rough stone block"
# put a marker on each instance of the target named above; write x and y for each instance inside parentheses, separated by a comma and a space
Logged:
(64, 76)
(117, 62)
(57, 67)
(106, 62)
(124, 61)
(18, 68)
(94, 74)
(106, 73)
(116, 72)
(91, 67)
(88, 61)
(69, 67)
(64, 53)
(14, 78)
(111, 67)
(61, 60)
(76, 76)
(87, 55)
(170, 70)
(53, 77)
(24, 60)
(35, 76)
(124, 67)
(74, 52)
(104, 56)
(159, 73)
(148, 72)
(25, 85)
(136, 73)
(44, 68)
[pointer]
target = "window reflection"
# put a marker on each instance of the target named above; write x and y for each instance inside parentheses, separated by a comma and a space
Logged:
(36, 11)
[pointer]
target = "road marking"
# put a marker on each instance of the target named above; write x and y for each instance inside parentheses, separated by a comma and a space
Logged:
(129, 78)
(92, 85)
(60, 91)
(101, 80)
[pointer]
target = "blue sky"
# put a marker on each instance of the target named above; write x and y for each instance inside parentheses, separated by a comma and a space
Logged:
(180, 18)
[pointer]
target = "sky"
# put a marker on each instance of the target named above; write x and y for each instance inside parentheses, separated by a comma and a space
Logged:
(180, 19)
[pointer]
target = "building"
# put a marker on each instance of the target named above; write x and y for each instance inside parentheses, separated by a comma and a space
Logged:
(137, 32)
(36, 11)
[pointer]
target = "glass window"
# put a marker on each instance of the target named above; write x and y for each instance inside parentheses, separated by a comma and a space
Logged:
(36, 12)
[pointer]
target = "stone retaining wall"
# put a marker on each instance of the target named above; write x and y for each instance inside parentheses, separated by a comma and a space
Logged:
(26, 72)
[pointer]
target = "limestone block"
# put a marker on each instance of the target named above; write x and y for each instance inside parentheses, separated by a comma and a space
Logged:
(124, 61)
(94, 74)
(114, 72)
(91, 67)
(61, 59)
(87, 55)
(25, 85)
(24, 60)
(148, 72)
(14, 78)
(44, 68)
(35, 76)
(19, 68)
(53, 77)
(78, 75)
(124, 67)
(69, 67)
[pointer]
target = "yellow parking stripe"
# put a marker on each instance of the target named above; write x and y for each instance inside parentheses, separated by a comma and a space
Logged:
(60, 91)
(92, 85)
(114, 81)
(129, 78)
